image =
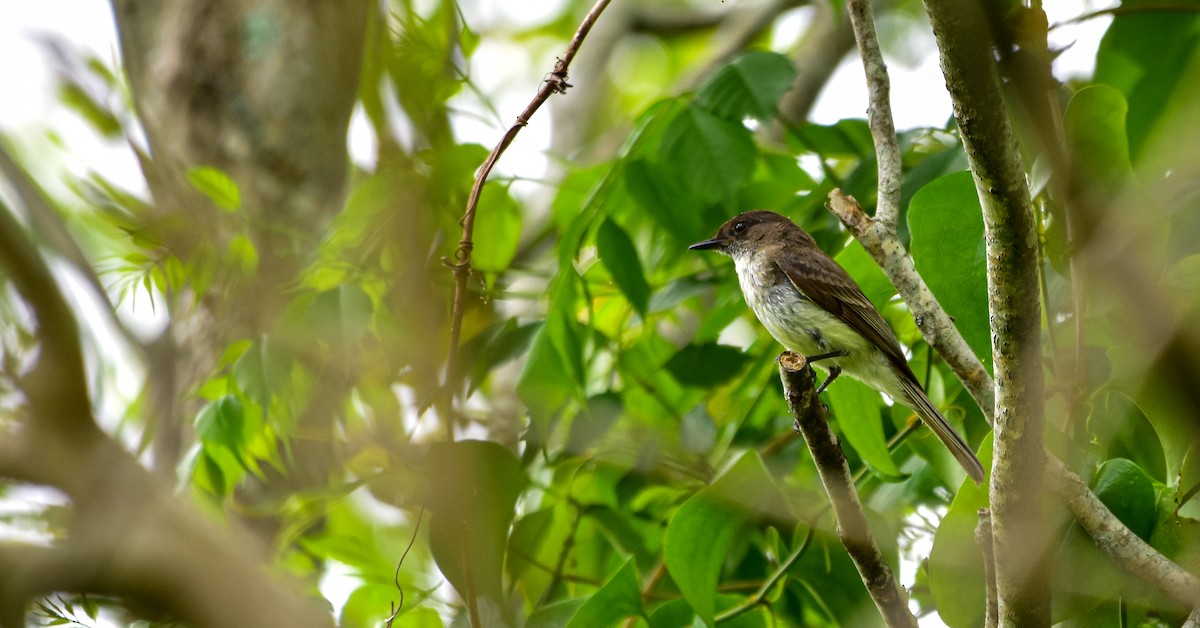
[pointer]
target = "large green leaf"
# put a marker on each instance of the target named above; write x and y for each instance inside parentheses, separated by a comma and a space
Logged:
(223, 422)
(620, 257)
(706, 365)
(703, 529)
(948, 249)
(620, 597)
(341, 315)
(1145, 55)
(217, 186)
(497, 230)
(472, 489)
(750, 85)
(707, 154)
(1095, 129)
(1129, 493)
(856, 407)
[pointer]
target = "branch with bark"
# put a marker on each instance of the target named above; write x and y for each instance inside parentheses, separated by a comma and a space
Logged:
(853, 530)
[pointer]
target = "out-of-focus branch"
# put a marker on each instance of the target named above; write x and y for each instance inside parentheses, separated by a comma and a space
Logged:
(828, 39)
(853, 530)
(129, 535)
(736, 34)
(1018, 468)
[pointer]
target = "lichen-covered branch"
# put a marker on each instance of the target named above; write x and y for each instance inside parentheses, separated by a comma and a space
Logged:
(1011, 235)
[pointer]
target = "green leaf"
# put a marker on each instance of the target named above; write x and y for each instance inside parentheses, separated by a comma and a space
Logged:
(856, 407)
(1129, 493)
(620, 257)
(948, 250)
(217, 186)
(341, 315)
(703, 529)
(262, 370)
(620, 597)
(750, 85)
(1146, 55)
(1095, 128)
(222, 422)
(497, 230)
(472, 489)
(706, 365)
(708, 155)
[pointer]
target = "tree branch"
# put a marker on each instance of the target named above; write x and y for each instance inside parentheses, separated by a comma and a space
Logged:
(1011, 236)
(853, 530)
(879, 112)
(1118, 542)
(555, 83)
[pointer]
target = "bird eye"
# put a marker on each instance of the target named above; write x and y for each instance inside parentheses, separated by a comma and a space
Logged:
(739, 227)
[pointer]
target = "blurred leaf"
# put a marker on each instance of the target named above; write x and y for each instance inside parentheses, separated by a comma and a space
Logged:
(262, 370)
(850, 137)
(620, 257)
(1095, 128)
(948, 250)
(97, 115)
(472, 491)
(217, 186)
(497, 230)
(706, 365)
(222, 422)
(1144, 55)
(620, 597)
(341, 315)
(1128, 493)
(708, 155)
(750, 85)
(856, 407)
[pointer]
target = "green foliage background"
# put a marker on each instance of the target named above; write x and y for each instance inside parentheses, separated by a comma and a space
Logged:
(619, 451)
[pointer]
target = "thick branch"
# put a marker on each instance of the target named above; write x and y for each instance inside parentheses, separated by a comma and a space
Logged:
(853, 530)
(1022, 582)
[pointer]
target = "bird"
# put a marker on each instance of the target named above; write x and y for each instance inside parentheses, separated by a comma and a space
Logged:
(812, 306)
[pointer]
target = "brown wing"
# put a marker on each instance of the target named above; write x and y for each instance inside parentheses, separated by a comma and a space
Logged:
(827, 284)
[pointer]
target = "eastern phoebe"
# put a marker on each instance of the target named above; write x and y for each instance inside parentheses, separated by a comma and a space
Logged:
(812, 306)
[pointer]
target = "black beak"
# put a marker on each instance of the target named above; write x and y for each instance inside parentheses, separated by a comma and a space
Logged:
(714, 243)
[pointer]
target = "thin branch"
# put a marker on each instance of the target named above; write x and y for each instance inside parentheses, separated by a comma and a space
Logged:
(853, 530)
(879, 112)
(555, 83)
(760, 595)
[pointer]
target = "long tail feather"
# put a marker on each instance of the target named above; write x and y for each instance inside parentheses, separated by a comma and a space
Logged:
(945, 433)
